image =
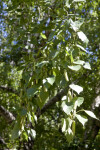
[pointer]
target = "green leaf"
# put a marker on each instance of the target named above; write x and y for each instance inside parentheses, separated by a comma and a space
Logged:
(41, 64)
(64, 98)
(91, 114)
(79, 62)
(82, 48)
(16, 131)
(66, 75)
(68, 123)
(67, 109)
(43, 36)
(87, 66)
(46, 86)
(64, 125)
(76, 25)
(33, 133)
(76, 88)
(23, 112)
(25, 136)
(29, 117)
(67, 3)
(83, 37)
(54, 54)
(79, 101)
(26, 47)
(42, 98)
(51, 35)
(75, 68)
(71, 58)
(51, 80)
(31, 92)
(69, 135)
(81, 119)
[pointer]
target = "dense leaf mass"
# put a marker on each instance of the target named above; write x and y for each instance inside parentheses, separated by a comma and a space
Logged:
(49, 74)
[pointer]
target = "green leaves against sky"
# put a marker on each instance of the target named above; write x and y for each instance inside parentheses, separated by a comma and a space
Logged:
(49, 70)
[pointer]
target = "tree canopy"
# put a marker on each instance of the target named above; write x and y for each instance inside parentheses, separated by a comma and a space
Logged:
(50, 74)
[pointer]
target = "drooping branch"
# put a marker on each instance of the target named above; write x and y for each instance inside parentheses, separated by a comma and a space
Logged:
(53, 100)
(2, 141)
(9, 117)
(58, 97)
(3, 144)
(93, 126)
(8, 89)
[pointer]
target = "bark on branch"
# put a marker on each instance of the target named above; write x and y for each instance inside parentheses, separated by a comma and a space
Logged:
(9, 117)
(2, 141)
(53, 100)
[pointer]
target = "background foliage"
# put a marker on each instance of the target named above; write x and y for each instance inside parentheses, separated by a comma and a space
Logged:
(49, 74)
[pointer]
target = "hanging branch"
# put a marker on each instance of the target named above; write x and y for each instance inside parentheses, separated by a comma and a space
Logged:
(9, 117)
(53, 100)
(57, 98)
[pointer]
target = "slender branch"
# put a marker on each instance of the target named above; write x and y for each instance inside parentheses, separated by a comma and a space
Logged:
(9, 117)
(53, 100)
(3, 144)
(2, 141)
(57, 98)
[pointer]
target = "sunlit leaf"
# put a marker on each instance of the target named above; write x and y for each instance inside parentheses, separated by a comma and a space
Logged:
(76, 88)
(91, 114)
(81, 47)
(76, 25)
(51, 80)
(29, 117)
(26, 46)
(66, 75)
(72, 59)
(43, 36)
(33, 133)
(69, 135)
(87, 66)
(79, 62)
(67, 3)
(79, 101)
(64, 98)
(41, 64)
(64, 125)
(68, 122)
(67, 109)
(83, 37)
(81, 119)
(75, 68)
(25, 136)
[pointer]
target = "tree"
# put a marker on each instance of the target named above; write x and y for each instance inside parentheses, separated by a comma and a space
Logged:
(49, 74)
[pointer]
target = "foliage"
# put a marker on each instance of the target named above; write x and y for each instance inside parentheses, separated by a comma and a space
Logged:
(49, 69)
